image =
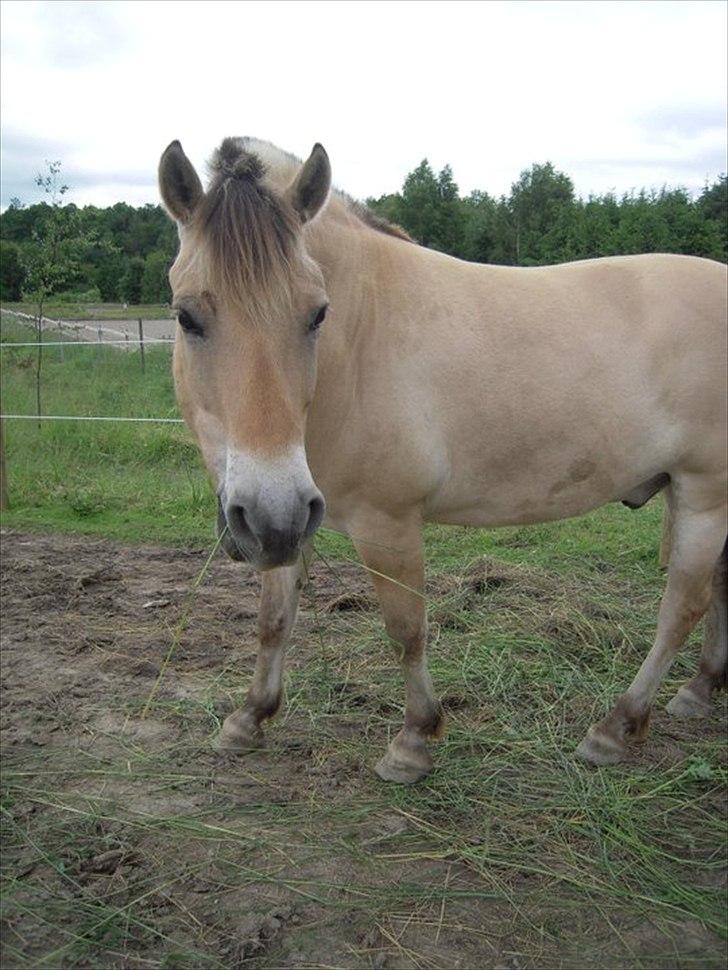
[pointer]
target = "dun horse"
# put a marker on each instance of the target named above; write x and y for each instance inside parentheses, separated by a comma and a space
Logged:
(334, 371)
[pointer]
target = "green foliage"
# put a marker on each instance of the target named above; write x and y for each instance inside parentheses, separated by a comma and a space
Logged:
(541, 221)
(12, 271)
(155, 283)
(713, 203)
(51, 259)
(108, 276)
(130, 286)
(106, 242)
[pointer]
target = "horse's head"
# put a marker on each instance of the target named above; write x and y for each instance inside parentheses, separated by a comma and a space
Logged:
(249, 302)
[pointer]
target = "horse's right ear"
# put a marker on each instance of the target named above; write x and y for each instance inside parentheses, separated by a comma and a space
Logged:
(310, 189)
(179, 183)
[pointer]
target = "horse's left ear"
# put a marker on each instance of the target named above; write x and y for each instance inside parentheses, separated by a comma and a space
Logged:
(310, 189)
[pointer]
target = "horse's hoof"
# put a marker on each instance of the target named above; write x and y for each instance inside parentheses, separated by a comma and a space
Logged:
(598, 748)
(237, 739)
(225, 744)
(394, 768)
(687, 704)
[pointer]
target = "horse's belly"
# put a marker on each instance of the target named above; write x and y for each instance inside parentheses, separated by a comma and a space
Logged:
(520, 507)
(526, 485)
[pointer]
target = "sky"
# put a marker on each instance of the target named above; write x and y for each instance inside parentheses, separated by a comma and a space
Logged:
(619, 95)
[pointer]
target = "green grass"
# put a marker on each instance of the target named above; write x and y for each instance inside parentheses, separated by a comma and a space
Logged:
(126, 481)
(93, 311)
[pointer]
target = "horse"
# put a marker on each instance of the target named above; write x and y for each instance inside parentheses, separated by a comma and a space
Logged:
(334, 371)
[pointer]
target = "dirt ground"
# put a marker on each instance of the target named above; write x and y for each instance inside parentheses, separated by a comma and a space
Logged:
(130, 843)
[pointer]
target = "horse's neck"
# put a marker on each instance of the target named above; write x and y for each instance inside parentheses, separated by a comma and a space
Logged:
(359, 264)
(339, 244)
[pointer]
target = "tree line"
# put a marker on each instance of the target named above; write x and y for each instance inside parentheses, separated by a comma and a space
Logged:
(542, 220)
(112, 255)
(123, 253)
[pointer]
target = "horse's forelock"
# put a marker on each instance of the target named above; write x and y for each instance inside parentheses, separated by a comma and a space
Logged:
(250, 231)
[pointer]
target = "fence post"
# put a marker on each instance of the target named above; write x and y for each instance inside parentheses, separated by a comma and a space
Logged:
(60, 337)
(141, 343)
(4, 504)
(98, 342)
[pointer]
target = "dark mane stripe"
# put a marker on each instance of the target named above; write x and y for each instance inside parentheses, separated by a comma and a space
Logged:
(251, 231)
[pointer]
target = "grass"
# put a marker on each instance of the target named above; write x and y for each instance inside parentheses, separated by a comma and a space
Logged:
(110, 479)
(509, 854)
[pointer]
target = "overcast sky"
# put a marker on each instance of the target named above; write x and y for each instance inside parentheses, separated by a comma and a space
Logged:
(619, 95)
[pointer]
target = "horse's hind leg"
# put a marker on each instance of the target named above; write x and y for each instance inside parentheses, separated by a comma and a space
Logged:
(280, 592)
(693, 699)
(392, 550)
(699, 530)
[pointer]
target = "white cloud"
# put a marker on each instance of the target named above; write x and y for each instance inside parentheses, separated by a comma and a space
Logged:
(617, 94)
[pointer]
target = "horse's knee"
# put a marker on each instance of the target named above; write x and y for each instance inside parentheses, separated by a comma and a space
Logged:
(409, 631)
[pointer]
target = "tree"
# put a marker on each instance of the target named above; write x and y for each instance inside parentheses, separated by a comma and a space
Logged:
(52, 258)
(419, 202)
(713, 206)
(12, 272)
(108, 275)
(130, 286)
(155, 284)
(541, 205)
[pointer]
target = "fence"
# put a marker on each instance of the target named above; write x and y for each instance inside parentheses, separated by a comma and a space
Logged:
(46, 323)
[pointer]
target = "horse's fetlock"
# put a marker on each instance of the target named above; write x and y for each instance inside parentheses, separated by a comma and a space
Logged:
(629, 719)
(263, 705)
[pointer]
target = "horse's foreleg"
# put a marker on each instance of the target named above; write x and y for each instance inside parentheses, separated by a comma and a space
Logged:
(392, 551)
(698, 537)
(280, 592)
(693, 699)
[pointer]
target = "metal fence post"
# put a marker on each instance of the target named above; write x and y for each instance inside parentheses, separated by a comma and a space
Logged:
(141, 343)
(4, 504)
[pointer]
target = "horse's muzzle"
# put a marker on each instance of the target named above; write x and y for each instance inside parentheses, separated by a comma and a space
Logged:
(267, 543)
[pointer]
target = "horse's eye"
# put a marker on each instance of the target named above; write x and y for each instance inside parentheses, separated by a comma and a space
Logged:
(189, 324)
(318, 318)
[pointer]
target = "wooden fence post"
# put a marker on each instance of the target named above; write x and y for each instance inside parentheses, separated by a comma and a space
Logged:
(4, 504)
(141, 343)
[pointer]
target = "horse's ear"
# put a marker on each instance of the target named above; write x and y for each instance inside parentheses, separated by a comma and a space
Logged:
(310, 188)
(179, 183)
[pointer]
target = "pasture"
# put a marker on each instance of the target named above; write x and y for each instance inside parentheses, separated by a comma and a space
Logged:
(128, 843)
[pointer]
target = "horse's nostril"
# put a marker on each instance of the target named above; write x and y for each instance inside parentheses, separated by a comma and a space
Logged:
(237, 523)
(316, 510)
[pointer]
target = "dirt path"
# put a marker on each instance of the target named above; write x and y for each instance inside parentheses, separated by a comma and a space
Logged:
(129, 843)
(101, 330)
